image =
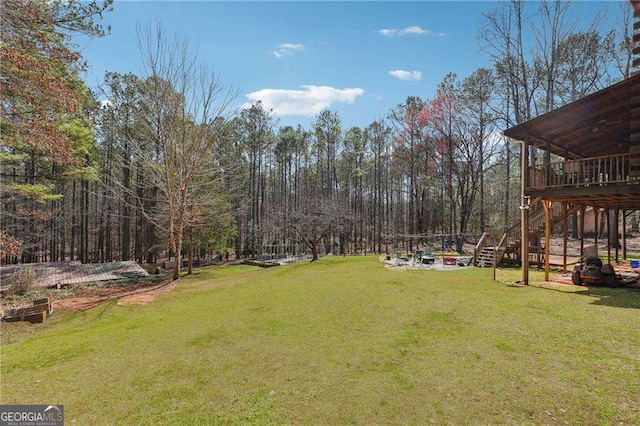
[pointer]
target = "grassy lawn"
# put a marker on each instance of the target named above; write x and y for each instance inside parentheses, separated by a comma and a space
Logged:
(339, 341)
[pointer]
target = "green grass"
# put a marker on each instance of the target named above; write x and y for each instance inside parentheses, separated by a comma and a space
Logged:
(339, 341)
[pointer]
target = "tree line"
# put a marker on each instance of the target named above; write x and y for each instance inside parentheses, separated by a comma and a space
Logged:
(165, 167)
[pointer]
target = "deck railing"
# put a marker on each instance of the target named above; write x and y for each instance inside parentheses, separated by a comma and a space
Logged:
(610, 169)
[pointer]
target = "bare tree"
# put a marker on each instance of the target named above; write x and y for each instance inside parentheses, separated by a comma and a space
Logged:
(476, 97)
(622, 46)
(186, 102)
(316, 218)
(584, 58)
(553, 29)
(501, 37)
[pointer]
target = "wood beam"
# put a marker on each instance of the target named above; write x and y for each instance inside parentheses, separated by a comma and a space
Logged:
(574, 154)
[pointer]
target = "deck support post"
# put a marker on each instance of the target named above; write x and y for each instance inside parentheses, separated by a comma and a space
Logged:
(607, 213)
(624, 234)
(582, 213)
(565, 228)
(596, 226)
(524, 210)
(546, 206)
(616, 221)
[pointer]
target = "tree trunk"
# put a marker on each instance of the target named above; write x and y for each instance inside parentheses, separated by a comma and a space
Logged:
(85, 231)
(73, 222)
(178, 254)
(190, 254)
(613, 230)
(126, 209)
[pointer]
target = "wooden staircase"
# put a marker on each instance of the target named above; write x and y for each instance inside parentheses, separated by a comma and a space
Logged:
(485, 252)
(505, 247)
(486, 257)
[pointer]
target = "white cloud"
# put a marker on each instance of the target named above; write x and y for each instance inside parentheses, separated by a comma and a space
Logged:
(308, 101)
(288, 49)
(406, 75)
(414, 30)
(442, 35)
(387, 32)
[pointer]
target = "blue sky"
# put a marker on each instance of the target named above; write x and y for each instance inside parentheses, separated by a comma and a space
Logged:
(357, 58)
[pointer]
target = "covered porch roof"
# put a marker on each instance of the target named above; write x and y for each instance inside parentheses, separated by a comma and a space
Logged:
(594, 126)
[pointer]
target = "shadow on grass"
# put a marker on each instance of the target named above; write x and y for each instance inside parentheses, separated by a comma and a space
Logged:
(617, 297)
(620, 297)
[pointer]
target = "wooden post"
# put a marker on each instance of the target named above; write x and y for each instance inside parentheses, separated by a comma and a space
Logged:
(624, 234)
(546, 206)
(550, 178)
(524, 234)
(607, 213)
(495, 262)
(582, 213)
(596, 226)
(617, 221)
(565, 228)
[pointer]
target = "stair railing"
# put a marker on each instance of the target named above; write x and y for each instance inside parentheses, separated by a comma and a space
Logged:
(480, 246)
(513, 235)
(489, 237)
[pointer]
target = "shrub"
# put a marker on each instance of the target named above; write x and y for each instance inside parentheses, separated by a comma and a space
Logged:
(22, 281)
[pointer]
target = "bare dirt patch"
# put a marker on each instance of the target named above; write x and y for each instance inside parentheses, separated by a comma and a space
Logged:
(90, 297)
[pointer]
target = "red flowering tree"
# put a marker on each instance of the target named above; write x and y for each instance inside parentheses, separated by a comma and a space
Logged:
(441, 116)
